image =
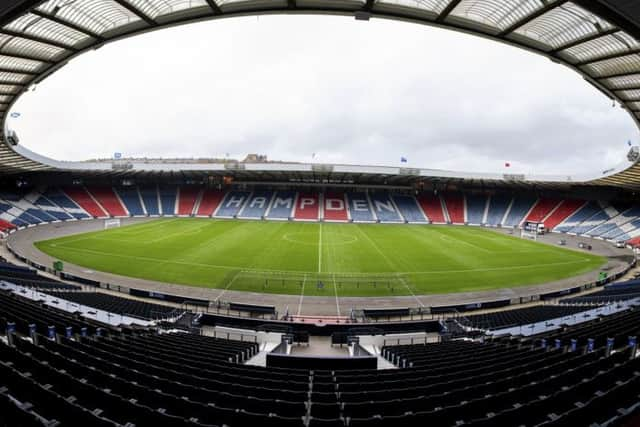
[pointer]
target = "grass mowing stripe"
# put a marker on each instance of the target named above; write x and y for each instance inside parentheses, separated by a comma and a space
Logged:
(277, 257)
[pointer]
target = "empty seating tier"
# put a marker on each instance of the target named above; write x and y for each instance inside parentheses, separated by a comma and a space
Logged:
(188, 196)
(108, 200)
(209, 203)
(119, 305)
(82, 198)
(432, 207)
(522, 316)
(455, 207)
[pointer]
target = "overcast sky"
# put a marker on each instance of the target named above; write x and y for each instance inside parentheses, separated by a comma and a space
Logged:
(349, 91)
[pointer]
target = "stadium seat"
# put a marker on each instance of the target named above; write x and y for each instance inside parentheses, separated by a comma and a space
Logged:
(209, 203)
(83, 199)
(109, 200)
(542, 209)
(518, 210)
(335, 207)
(455, 205)
(432, 207)
(168, 196)
(150, 199)
(232, 204)
(187, 199)
(384, 208)
(409, 209)
(257, 205)
(307, 207)
(282, 205)
(131, 199)
(476, 207)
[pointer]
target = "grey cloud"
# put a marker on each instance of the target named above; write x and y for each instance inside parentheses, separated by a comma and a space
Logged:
(352, 92)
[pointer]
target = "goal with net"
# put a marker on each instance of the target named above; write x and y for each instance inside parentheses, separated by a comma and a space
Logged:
(111, 223)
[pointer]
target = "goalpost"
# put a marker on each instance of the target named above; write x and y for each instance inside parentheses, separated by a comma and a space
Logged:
(111, 223)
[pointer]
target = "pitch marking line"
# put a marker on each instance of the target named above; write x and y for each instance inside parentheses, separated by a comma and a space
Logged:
(375, 246)
(404, 282)
(304, 280)
(227, 287)
(335, 288)
(320, 249)
(357, 274)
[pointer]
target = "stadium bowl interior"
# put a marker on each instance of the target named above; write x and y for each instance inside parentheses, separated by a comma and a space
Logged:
(130, 295)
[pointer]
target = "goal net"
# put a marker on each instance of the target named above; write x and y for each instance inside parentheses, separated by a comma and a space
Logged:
(111, 223)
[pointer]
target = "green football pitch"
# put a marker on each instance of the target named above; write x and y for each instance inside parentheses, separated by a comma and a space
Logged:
(325, 259)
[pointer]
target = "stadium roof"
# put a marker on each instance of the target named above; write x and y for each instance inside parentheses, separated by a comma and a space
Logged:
(599, 39)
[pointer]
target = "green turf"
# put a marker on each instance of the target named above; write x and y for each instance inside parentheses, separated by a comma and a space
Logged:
(294, 257)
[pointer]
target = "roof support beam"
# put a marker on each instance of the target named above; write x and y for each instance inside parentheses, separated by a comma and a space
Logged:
(14, 71)
(447, 10)
(636, 87)
(586, 39)
(10, 83)
(68, 24)
(613, 76)
(136, 12)
(214, 7)
(548, 5)
(37, 39)
(607, 57)
(25, 57)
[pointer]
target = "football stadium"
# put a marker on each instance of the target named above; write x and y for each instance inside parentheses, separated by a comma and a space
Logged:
(221, 292)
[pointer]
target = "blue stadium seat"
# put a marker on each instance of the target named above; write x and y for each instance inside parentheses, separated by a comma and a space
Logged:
(150, 200)
(475, 208)
(257, 205)
(497, 208)
(282, 205)
(359, 207)
(409, 208)
(168, 200)
(131, 200)
(384, 208)
(232, 203)
(519, 209)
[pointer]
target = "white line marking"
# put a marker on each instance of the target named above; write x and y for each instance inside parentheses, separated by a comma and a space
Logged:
(335, 288)
(301, 295)
(320, 249)
(389, 263)
(404, 282)
(227, 287)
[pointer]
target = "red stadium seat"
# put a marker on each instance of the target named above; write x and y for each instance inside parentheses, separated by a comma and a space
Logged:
(210, 201)
(335, 207)
(86, 202)
(432, 208)
(541, 210)
(188, 197)
(455, 207)
(562, 212)
(307, 206)
(109, 201)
